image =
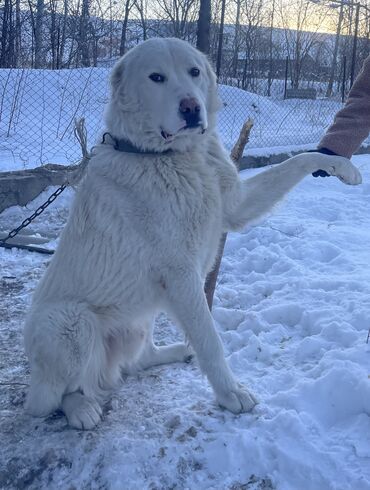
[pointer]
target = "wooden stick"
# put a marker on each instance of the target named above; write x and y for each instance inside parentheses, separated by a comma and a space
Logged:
(235, 155)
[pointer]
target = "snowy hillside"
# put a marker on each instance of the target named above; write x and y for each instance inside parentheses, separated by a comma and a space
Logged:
(292, 307)
(276, 122)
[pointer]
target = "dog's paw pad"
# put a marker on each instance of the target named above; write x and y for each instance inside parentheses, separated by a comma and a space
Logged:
(189, 354)
(238, 400)
(189, 358)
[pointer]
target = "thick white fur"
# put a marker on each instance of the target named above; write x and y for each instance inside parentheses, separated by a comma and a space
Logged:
(141, 237)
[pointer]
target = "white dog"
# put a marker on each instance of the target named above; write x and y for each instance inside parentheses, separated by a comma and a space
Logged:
(142, 235)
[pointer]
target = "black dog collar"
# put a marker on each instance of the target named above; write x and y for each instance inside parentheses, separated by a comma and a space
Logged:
(127, 147)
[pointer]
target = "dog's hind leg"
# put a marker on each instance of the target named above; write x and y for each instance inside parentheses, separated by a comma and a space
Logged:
(155, 355)
(60, 342)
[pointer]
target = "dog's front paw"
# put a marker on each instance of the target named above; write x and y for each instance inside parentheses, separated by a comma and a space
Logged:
(81, 412)
(345, 171)
(87, 416)
(238, 400)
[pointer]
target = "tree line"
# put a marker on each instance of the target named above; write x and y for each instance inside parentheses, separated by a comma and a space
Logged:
(247, 40)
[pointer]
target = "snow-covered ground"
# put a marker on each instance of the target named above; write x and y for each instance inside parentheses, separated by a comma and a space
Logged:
(292, 307)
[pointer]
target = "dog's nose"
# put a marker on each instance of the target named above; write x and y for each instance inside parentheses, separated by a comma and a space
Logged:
(189, 105)
(190, 111)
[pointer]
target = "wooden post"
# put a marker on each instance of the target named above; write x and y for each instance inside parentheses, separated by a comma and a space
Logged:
(235, 155)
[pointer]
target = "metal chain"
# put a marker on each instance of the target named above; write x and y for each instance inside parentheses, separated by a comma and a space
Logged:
(34, 215)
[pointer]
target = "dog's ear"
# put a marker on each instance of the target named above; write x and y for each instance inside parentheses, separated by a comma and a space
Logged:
(214, 100)
(117, 75)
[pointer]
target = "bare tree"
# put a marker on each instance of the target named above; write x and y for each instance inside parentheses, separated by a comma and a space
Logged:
(17, 33)
(329, 89)
(271, 44)
(237, 40)
(7, 35)
(181, 16)
(39, 25)
(220, 38)
(141, 7)
(214, 30)
(54, 38)
(204, 26)
(300, 40)
(84, 33)
(62, 34)
(128, 5)
(253, 17)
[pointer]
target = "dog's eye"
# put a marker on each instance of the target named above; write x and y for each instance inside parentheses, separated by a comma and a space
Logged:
(157, 77)
(194, 72)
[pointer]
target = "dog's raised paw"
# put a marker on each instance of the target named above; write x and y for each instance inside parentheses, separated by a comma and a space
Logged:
(238, 400)
(346, 172)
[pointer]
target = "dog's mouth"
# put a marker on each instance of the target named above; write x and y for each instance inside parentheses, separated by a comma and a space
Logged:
(165, 135)
(170, 136)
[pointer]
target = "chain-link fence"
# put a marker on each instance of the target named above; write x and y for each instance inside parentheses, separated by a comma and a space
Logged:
(38, 107)
(263, 51)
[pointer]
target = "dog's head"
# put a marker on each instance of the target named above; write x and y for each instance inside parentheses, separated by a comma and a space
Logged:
(164, 95)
